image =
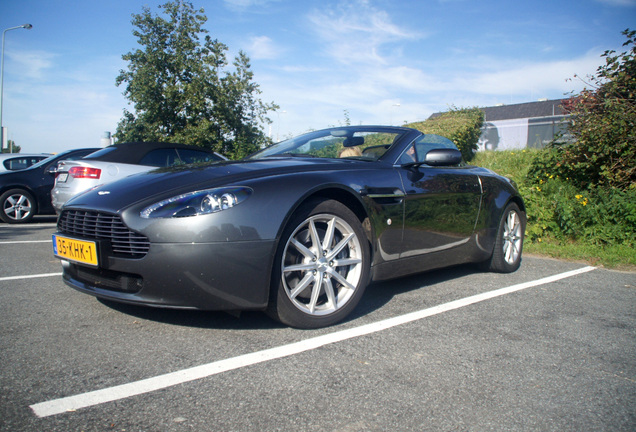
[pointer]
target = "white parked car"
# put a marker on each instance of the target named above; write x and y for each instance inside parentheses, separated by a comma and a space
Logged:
(121, 160)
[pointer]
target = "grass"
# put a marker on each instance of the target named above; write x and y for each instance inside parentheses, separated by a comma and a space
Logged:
(515, 165)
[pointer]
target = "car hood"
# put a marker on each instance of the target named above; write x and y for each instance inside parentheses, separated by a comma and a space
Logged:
(165, 182)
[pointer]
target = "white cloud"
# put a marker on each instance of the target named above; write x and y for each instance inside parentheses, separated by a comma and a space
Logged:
(540, 78)
(60, 105)
(356, 32)
(31, 64)
(263, 48)
(370, 94)
(240, 5)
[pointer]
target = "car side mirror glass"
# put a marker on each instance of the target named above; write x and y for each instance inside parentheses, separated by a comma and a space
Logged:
(443, 157)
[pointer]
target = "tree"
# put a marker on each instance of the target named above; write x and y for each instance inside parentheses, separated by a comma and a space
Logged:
(11, 147)
(603, 126)
(182, 90)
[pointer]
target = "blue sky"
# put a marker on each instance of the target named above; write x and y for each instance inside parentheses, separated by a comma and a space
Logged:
(381, 61)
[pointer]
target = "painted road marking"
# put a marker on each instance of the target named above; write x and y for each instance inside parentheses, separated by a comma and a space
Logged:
(26, 241)
(34, 225)
(84, 400)
(43, 275)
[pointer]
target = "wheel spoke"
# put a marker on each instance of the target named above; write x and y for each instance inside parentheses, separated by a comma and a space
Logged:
(302, 248)
(315, 292)
(329, 234)
(331, 296)
(342, 280)
(512, 223)
(299, 267)
(315, 239)
(507, 250)
(346, 262)
(339, 247)
(304, 283)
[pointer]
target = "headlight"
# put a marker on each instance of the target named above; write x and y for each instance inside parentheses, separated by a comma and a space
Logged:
(197, 203)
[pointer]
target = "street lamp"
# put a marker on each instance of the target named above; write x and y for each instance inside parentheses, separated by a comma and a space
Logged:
(24, 26)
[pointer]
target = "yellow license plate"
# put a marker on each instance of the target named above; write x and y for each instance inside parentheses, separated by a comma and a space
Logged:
(75, 250)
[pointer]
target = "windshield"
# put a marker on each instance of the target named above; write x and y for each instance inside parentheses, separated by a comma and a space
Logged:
(351, 143)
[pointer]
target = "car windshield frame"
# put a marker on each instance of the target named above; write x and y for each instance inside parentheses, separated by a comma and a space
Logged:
(350, 142)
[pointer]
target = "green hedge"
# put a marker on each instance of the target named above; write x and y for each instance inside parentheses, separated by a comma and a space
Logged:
(559, 210)
(461, 125)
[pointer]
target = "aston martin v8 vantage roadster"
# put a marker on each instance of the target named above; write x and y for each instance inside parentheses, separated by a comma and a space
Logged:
(298, 229)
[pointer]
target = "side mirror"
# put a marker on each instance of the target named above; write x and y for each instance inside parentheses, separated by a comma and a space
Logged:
(443, 157)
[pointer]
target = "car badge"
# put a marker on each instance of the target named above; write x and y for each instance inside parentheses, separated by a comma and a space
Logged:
(103, 193)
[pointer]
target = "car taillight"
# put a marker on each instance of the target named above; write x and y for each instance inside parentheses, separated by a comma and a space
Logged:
(84, 172)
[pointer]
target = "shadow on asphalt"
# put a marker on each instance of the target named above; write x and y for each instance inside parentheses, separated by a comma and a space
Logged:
(36, 220)
(380, 293)
(376, 296)
(23, 230)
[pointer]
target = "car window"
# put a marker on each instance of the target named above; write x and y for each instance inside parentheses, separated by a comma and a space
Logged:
(15, 164)
(160, 158)
(19, 163)
(416, 152)
(189, 156)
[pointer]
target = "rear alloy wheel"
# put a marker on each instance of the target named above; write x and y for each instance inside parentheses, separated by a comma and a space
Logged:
(18, 206)
(506, 256)
(322, 266)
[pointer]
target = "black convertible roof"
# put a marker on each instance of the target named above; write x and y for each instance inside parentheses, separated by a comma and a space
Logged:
(133, 152)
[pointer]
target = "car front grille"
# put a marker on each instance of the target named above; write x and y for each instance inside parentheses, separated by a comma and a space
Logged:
(104, 226)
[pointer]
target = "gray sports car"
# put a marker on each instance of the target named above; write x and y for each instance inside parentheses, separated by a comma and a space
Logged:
(298, 229)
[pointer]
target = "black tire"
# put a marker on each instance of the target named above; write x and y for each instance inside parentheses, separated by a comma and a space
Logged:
(18, 206)
(319, 278)
(506, 256)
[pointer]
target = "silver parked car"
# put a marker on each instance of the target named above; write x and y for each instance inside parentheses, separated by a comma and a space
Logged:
(20, 161)
(121, 160)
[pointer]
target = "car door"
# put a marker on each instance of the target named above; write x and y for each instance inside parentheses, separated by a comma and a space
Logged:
(441, 202)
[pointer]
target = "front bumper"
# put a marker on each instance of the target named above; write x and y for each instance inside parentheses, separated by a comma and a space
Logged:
(206, 276)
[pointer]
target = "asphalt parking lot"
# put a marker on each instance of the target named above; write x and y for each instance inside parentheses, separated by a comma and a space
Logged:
(551, 347)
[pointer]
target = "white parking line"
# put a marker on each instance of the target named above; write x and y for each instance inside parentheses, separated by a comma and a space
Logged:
(27, 241)
(43, 275)
(34, 225)
(72, 403)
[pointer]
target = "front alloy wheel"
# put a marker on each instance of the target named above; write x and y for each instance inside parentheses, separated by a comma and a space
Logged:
(323, 267)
